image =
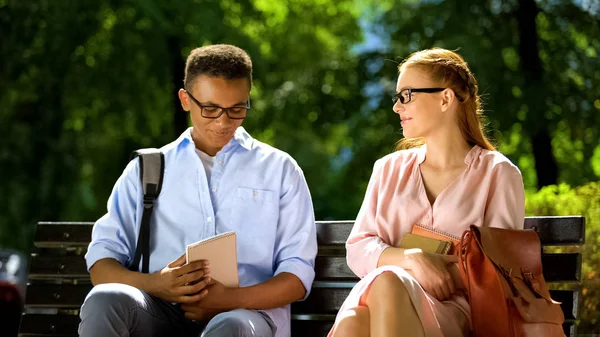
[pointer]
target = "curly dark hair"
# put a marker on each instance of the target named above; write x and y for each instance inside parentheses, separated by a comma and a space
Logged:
(218, 60)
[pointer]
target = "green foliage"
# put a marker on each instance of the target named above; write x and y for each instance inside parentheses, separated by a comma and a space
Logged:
(486, 34)
(83, 83)
(585, 201)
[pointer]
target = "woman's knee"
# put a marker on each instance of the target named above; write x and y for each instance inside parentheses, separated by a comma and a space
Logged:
(353, 323)
(111, 298)
(387, 287)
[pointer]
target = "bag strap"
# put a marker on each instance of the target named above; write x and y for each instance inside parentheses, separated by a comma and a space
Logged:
(152, 169)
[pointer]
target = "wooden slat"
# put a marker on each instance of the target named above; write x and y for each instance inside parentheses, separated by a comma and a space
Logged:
(567, 230)
(303, 324)
(45, 267)
(558, 230)
(63, 234)
(333, 232)
(324, 298)
(49, 325)
(330, 265)
(553, 230)
(66, 325)
(333, 267)
(557, 268)
(316, 328)
(64, 296)
(562, 267)
(569, 302)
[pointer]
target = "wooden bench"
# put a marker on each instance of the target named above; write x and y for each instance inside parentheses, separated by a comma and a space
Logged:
(59, 281)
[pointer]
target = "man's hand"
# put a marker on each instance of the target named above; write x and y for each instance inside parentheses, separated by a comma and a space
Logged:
(181, 283)
(218, 299)
(196, 313)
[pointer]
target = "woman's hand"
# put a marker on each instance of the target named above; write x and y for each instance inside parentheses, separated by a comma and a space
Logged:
(431, 271)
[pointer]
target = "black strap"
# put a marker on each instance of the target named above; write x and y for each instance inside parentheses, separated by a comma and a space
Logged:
(152, 163)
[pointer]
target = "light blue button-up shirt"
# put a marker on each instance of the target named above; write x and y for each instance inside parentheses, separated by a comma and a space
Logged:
(255, 190)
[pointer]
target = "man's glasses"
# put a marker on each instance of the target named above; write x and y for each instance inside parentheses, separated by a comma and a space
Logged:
(405, 95)
(215, 111)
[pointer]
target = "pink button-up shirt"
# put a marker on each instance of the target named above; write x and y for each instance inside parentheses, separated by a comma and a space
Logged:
(489, 192)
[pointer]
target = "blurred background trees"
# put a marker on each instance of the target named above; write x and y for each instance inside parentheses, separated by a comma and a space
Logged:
(84, 83)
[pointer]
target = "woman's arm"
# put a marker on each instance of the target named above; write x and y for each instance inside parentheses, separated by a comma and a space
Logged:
(364, 245)
(505, 207)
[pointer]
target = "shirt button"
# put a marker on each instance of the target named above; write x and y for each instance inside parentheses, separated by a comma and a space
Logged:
(427, 216)
(255, 193)
(221, 162)
(214, 190)
(209, 219)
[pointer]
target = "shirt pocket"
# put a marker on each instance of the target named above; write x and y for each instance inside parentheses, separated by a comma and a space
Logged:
(257, 196)
(253, 215)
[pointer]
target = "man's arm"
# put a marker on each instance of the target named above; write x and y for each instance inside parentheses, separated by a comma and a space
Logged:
(177, 282)
(113, 246)
(283, 289)
(276, 292)
(109, 270)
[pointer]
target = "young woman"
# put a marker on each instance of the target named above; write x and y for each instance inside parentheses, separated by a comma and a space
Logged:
(445, 175)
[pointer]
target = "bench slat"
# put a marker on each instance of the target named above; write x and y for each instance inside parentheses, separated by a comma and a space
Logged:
(553, 230)
(62, 296)
(330, 265)
(325, 297)
(49, 325)
(47, 267)
(66, 325)
(63, 234)
(562, 267)
(560, 230)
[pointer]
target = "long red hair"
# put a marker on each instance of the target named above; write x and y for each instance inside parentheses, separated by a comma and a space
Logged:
(449, 70)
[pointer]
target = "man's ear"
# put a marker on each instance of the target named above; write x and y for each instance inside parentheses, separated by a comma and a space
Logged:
(184, 99)
(448, 98)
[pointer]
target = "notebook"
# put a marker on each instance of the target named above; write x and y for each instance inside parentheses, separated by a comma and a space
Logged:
(221, 252)
(430, 245)
(437, 234)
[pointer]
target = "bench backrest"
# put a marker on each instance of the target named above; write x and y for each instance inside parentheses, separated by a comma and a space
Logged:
(59, 281)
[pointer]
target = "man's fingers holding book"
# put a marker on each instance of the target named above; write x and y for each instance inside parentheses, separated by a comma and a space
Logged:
(187, 299)
(192, 277)
(192, 290)
(192, 267)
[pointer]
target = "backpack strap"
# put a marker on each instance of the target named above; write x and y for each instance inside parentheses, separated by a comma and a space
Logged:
(152, 169)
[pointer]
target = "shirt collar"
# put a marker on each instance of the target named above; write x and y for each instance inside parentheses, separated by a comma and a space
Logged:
(241, 137)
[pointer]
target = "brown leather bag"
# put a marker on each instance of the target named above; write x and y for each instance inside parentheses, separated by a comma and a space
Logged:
(502, 271)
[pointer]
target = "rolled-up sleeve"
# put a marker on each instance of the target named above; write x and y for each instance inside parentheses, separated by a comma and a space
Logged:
(505, 206)
(364, 246)
(296, 243)
(113, 235)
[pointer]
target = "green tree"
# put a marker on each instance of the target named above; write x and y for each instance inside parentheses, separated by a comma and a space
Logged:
(84, 84)
(537, 66)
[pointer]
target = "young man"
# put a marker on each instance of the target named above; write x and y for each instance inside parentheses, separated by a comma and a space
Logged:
(217, 179)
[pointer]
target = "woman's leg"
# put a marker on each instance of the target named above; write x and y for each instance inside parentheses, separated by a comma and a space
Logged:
(391, 310)
(353, 323)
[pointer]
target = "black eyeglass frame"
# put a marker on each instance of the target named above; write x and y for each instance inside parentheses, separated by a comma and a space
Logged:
(223, 110)
(399, 95)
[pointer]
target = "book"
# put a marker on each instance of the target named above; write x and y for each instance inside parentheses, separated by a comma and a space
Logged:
(430, 245)
(221, 252)
(437, 234)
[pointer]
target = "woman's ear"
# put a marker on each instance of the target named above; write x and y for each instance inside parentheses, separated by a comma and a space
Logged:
(184, 99)
(448, 98)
